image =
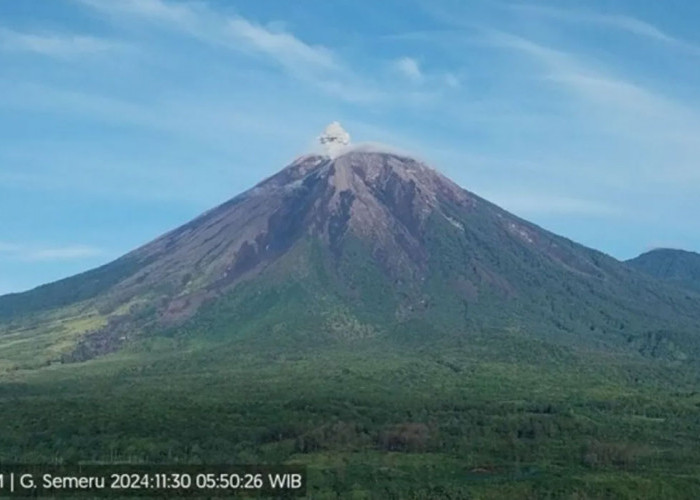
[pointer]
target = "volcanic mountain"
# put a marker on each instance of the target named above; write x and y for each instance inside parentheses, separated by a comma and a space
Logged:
(361, 244)
(679, 267)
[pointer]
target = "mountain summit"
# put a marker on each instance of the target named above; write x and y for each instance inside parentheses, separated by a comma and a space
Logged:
(351, 245)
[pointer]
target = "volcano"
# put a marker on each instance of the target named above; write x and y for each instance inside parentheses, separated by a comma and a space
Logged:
(357, 243)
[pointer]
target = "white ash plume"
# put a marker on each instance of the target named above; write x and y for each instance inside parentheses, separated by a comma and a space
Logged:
(334, 139)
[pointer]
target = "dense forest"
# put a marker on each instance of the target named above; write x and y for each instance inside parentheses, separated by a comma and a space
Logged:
(421, 421)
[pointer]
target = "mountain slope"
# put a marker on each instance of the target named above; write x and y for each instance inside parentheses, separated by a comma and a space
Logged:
(368, 244)
(676, 266)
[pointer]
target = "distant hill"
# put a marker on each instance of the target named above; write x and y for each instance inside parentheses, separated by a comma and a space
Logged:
(679, 267)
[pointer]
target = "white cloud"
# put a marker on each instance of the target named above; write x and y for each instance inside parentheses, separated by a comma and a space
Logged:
(188, 117)
(651, 121)
(566, 70)
(313, 64)
(620, 22)
(234, 32)
(409, 68)
(36, 253)
(55, 45)
(281, 46)
(633, 25)
(153, 9)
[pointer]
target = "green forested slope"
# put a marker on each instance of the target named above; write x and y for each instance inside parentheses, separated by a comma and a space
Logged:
(676, 266)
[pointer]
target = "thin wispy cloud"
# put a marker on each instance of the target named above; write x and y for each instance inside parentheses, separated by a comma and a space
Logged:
(55, 45)
(156, 10)
(593, 84)
(619, 22)
(211, 120)
(200, 22)
(316, 65)
(313, 63)
(38, 253)
(409, 69)
(287, 49)
(618, 104)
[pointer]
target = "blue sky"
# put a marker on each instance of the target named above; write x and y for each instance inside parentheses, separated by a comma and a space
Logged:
(120, 120)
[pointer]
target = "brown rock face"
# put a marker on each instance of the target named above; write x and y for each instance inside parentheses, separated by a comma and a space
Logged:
(381, 198)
